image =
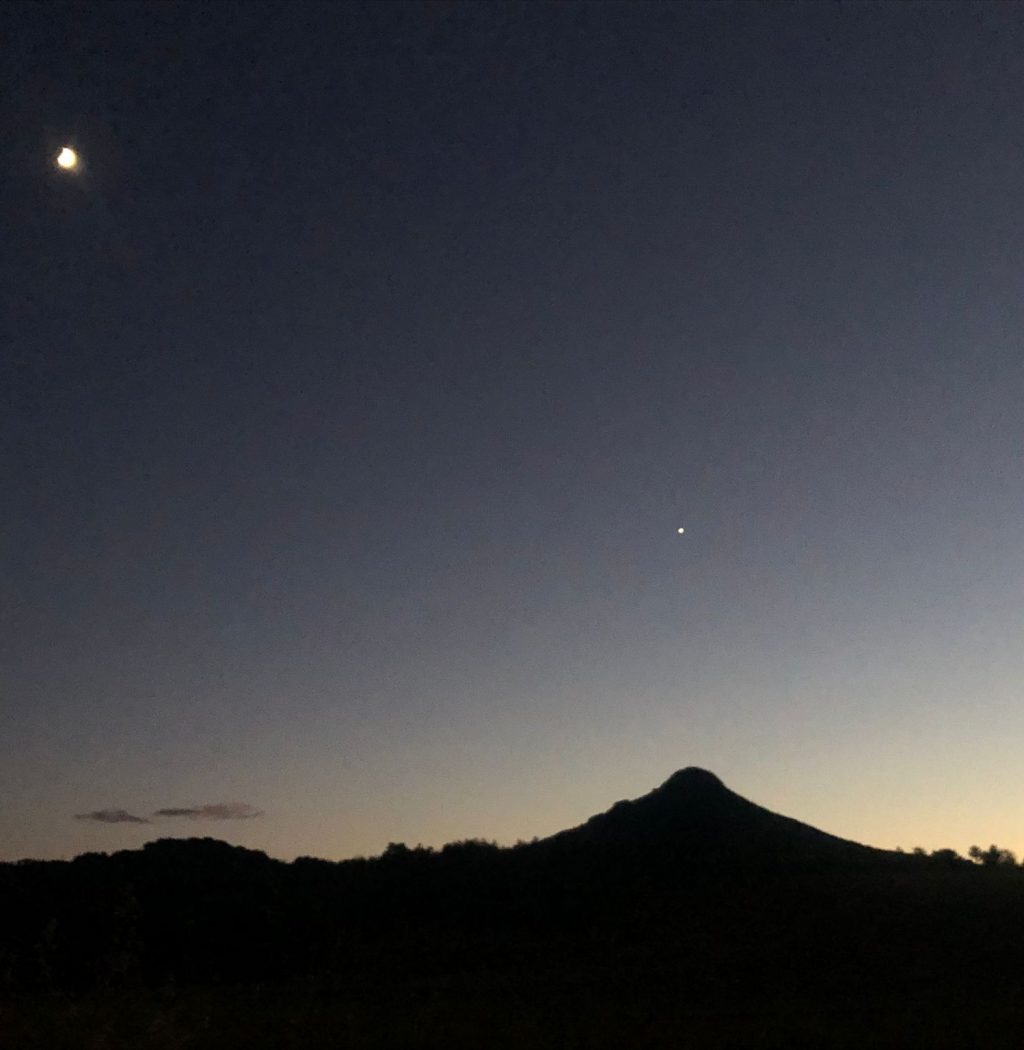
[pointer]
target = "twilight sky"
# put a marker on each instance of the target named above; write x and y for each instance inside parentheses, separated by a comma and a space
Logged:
(354, 390)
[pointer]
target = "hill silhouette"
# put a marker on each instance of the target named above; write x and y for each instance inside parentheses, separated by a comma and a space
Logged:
(689, 899)
(694, 815)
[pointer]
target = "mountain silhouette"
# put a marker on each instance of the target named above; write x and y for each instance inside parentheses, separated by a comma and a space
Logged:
(694, 815)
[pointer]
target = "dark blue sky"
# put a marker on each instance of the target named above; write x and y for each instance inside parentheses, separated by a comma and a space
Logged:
(355, 388)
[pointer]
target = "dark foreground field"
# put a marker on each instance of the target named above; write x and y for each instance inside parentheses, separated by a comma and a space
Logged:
(687, 918)
(507, 1017)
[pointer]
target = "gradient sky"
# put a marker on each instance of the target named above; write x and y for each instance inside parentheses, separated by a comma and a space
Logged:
(355, 389)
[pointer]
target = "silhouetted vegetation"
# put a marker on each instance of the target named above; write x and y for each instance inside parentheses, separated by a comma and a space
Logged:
(688, 911)
(992, 857)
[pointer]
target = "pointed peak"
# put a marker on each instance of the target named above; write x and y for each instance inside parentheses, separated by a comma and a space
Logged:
(692, 779)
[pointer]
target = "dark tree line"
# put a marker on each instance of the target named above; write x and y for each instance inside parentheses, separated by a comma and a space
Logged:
(201, 912)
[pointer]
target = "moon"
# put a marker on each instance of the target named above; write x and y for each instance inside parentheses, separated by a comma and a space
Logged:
(680, 531)
(67, 159)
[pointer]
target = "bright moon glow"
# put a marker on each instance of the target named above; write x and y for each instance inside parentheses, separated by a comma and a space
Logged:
(680, 531)
(67, 158)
